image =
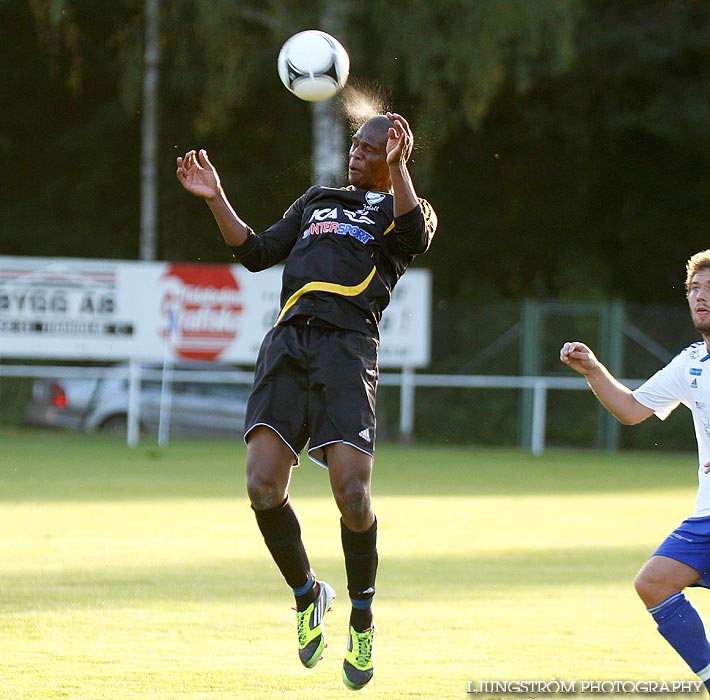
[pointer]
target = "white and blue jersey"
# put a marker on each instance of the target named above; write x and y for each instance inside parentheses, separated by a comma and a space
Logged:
(685, 380)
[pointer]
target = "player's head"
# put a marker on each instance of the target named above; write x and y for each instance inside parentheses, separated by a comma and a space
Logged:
(697, 262)
(367, 164)
(697, 289)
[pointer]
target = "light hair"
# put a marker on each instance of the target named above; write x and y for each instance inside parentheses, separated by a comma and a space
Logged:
(697, 262)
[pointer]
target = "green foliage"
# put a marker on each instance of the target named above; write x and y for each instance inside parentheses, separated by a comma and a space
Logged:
(647, 62)
(556, 139)
(592, 183)
(457, 55)
(219, 57)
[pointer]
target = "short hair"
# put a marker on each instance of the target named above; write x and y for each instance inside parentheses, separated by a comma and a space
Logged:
(695, 263)
(380, 122)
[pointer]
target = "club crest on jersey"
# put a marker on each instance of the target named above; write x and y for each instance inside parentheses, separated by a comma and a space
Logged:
(372, 201)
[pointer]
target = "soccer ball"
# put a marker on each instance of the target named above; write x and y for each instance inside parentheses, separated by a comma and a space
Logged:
(313, 65)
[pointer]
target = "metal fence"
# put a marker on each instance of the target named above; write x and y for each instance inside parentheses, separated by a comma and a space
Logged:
(406, 381)
(510, 350)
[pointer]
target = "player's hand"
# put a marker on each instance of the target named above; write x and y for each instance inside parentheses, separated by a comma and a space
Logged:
(578, 357)
(400, 139)
(707, 468)
(197, 175)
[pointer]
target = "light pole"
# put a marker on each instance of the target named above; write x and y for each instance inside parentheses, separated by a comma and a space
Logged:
(328, 131)
(149, 133)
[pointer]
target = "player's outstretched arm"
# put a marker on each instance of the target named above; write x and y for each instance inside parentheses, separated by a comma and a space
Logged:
(399, 147)
(198, 176)
(612, 394)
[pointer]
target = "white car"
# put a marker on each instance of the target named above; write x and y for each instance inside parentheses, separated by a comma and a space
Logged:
(197, 408)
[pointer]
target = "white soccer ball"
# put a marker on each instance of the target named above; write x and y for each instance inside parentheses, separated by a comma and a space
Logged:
(313, 65)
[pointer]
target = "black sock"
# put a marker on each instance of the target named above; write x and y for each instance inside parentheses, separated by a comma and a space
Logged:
(361, 619)
(303, 600)
(282, 535)
(360, 550)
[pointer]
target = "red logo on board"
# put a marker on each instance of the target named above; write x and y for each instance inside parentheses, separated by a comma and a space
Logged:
(200, 307)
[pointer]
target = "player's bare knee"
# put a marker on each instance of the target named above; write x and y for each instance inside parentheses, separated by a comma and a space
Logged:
(642, 586)
(353, 501)
(264, 491)
(651, 588)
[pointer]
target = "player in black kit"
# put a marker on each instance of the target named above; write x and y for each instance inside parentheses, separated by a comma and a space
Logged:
(343, 251)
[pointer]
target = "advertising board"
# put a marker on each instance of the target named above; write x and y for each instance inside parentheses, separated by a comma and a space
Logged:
(82, 309)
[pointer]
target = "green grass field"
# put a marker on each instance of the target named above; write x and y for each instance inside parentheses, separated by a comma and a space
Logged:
(140, 573)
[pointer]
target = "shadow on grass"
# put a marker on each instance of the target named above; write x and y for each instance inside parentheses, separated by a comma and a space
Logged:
(37, 466)
(235, 581)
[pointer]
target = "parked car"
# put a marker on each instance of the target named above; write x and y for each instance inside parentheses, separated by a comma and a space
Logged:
(197, 408)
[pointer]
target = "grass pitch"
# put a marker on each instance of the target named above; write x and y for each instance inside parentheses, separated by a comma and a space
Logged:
(140, 573)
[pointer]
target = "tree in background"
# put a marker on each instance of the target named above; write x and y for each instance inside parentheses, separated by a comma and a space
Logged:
(556, 131)
(593, 183)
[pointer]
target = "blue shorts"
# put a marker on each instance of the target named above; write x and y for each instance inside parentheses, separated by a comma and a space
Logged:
(689, 543)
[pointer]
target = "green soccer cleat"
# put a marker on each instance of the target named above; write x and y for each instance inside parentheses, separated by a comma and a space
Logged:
(357, 666)
(311, 632)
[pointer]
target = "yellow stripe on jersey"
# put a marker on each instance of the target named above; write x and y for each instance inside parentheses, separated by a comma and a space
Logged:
(427, 213)
(327, 287)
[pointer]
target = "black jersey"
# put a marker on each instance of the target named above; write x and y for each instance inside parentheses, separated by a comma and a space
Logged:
(343, 252)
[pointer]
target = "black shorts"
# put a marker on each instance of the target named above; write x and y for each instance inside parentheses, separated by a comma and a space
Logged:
(318, 384)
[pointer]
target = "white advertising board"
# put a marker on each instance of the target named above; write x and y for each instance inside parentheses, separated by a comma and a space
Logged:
(113, 310)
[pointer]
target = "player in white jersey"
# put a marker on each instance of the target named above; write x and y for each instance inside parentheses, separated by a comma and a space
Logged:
(683, 559)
